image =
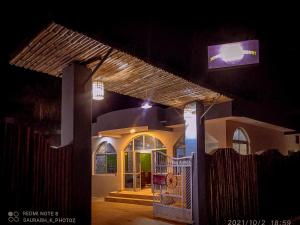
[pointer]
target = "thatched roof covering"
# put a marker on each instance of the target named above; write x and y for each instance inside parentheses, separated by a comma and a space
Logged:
(57, 46)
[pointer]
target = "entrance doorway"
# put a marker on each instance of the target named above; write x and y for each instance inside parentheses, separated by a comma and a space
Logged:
(138, 162)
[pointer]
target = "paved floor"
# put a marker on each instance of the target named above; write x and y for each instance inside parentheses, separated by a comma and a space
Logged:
(110, 213)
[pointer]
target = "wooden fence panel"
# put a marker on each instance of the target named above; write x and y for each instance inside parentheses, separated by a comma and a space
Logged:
(35, 175)
(262, 186)
(231, 186)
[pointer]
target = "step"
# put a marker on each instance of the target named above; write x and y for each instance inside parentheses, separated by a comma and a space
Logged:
(130, 195)
(136, 201)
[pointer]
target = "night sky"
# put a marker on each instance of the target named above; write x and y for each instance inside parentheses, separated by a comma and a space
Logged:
(174, 39)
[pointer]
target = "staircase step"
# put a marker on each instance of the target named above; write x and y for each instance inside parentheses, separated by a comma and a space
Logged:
(136, 201)
(130, 195)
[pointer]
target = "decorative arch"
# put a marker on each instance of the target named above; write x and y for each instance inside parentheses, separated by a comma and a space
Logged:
(241, 141)
(105, 160)
(145, 142)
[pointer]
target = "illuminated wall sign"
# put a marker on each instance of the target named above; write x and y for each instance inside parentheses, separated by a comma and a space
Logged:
(233, 54)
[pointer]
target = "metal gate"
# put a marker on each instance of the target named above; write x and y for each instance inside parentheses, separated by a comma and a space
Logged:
(172, 187)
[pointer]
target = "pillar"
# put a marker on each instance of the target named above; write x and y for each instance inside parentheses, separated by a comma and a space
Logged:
(76, 123)
(195, 144)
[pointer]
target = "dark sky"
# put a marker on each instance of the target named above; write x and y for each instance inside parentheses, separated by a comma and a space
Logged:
(176, 38)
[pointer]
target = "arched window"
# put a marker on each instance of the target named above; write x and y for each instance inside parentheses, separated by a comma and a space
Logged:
(105, 159)
(145, 143)
(240, 141)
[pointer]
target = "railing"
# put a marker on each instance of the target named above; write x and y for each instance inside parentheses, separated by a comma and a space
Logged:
(172, 187)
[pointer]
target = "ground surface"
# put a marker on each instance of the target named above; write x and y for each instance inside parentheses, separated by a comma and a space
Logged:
(110, 213)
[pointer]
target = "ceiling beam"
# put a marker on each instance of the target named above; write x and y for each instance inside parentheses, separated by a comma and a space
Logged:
(100, 63)
(92, 60)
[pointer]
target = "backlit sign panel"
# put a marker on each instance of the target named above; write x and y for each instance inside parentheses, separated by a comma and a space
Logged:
(233, 54)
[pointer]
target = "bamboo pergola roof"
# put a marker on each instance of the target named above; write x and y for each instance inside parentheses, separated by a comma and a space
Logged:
(56, 46)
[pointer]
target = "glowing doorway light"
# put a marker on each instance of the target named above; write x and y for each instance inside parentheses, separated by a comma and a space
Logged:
(146, 105)
(98, 90)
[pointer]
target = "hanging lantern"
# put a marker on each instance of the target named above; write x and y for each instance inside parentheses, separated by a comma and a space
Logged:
(98, 90)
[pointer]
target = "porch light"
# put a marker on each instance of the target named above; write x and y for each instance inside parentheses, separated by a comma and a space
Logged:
(146, 105)
(132, 131)
(98, 90)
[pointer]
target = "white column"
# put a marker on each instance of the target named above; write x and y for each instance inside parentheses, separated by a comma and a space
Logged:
(195, 144)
